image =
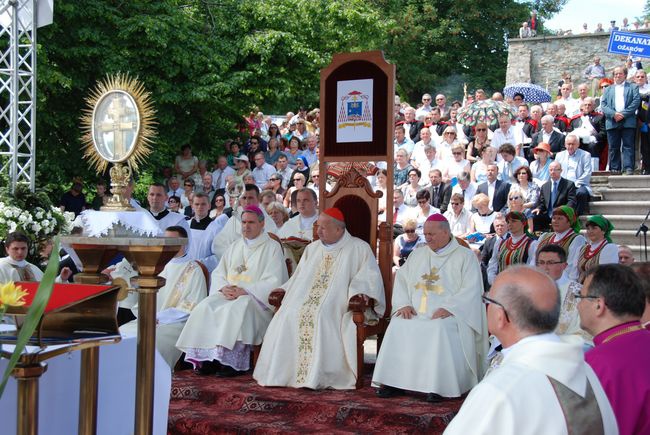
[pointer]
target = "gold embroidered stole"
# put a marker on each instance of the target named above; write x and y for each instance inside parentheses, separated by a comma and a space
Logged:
(569, 307)
(181, 284)
(308, 317)
(24, 273)
(582, 414)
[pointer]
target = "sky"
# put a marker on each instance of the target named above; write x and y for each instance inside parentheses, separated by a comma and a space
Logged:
(592, 12)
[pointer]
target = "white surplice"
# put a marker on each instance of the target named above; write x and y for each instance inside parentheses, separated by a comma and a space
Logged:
(518, 398)
(184, 288)
(256, 266)
(311, 341)
(10, 270)
(201, 242)
(443, 356)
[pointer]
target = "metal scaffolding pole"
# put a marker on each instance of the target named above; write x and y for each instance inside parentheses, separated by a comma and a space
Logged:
(18, 92)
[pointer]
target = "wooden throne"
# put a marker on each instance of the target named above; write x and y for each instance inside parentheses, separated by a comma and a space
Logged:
(354, 196)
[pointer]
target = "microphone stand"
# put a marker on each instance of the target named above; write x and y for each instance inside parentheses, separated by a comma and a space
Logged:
(644, 229)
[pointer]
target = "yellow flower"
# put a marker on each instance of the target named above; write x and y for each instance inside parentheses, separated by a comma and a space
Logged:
(12, 295)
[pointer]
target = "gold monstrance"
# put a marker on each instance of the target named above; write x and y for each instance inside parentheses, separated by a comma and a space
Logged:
(118, 127)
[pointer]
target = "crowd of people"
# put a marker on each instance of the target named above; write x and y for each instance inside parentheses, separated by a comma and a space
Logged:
(510, 193)
(530, 28)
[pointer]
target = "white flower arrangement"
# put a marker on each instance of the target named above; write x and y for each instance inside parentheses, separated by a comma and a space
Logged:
(37, 224)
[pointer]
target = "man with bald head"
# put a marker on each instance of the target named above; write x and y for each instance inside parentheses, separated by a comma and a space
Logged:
(543, 384)
(311, 341)
(436, 342)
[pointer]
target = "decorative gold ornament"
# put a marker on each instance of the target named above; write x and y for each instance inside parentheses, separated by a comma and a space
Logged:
(118, 127)
(428, 284)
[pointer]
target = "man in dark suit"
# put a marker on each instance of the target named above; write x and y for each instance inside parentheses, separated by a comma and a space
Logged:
(592, 122)
(439, 192)
(549, 135)
(555, 192)
(495, 189)
(412, 126)
(620, 121)
(501, 233)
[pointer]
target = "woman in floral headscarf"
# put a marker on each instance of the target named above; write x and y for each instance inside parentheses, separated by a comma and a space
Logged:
(599, 248)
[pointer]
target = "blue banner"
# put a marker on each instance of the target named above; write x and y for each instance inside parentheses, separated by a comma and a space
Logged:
(629, 44)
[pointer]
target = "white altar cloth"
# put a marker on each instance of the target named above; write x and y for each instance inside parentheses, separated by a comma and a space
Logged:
(59, 393)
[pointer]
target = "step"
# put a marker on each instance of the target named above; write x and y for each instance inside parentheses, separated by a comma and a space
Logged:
(639, 208)
(617, 181)
(599, 179)
(625, 194)
(621, 222)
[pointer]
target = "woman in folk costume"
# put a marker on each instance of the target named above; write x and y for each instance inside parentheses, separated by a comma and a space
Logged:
(599, 249)
(519, 248)
(566, 233)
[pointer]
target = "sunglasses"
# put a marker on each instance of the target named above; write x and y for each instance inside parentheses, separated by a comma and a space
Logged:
(296, 179)
(275, 179)
(455, 203)
(514, 198)
(451, 133)
(409, 231)
(481, 129)
(457, 154)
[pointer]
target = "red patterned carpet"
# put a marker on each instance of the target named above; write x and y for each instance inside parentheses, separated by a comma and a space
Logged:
(209, 405)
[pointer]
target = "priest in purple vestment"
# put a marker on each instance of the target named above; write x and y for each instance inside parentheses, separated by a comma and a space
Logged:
(611, 303)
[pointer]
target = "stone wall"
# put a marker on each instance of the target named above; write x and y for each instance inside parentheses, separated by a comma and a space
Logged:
(543, 60)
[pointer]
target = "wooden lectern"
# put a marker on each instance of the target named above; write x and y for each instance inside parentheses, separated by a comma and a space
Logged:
(77, 317)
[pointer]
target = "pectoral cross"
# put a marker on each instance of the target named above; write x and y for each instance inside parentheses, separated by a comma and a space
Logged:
(116, 111)
(428, 284)
(241, 268)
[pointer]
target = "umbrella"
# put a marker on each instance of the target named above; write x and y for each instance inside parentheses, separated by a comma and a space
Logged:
(486, 111)
(532, 93)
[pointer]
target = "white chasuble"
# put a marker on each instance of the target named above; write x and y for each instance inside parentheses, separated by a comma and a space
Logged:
(443, 356)
(232, 232)
(297, 226)
(257, 267)
(520, 397)
(184, 288)
(311, 341)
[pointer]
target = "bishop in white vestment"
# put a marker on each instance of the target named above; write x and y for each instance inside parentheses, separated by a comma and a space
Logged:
(225, 325)
(185, 286)
(436, 341)
(311, 341)
(232, 229)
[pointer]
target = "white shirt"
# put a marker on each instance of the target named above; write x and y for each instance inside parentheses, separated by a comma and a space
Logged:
(619, 97)
(469, 194)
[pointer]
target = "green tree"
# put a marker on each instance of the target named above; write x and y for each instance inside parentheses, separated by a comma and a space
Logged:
(204, 62)
(438, 45)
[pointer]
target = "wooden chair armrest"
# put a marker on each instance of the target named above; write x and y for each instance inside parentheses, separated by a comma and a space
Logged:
(275, 298)
(357, 303)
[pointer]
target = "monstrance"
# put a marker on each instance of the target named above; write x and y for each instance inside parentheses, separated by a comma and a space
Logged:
(118, 126)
